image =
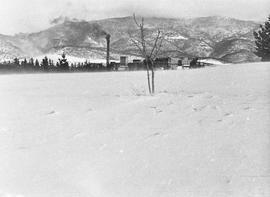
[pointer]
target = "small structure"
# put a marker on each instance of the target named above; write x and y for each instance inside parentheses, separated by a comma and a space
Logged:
(174, 63)
(164, 62)
(114, 66)
(123, 60)
(136, 65)
(185, 63)
(180, 63)
(123, 63)
(193, 63)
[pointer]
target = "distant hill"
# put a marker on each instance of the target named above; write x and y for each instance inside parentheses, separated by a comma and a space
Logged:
(228, 39)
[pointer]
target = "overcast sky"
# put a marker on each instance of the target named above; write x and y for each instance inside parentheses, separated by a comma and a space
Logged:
(34, 15)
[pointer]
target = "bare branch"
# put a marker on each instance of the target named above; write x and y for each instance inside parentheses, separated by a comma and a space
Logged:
(143, 38)
(135, 20)
(133, 37)
(135, 42)
(155, 44)
(158, 48)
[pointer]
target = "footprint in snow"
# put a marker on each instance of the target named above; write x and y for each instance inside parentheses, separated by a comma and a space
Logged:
(78, 135)
(198, 108)
(51, 112)
(215, 107)
(170, 103)
(89, 110)
(246, 108)
(154, 135)
(156, 109)
(228, 114)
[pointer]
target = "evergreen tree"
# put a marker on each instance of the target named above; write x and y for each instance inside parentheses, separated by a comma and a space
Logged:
(24, 61)
(51, 65)
(37, 63)
(262, 41)
(31, 62)
(24, 64)
(45, 64)
(17, 61)
(63, 63)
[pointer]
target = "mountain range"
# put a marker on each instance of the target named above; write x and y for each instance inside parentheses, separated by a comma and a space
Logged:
(223, 38)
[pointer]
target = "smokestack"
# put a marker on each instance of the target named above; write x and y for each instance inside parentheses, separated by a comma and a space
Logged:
(108, 37)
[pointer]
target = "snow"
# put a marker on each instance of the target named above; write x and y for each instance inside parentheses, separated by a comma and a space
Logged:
(56, 57)
(72, 59)
(177, 37)
(94, 42)
(205, 133)
(211, 61)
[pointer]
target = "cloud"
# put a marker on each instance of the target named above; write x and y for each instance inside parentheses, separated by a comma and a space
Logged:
(35, 15)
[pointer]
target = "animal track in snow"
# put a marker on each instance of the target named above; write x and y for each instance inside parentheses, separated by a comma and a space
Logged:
(89, 110)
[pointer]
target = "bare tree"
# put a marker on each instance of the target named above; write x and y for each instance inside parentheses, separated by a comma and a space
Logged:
(149, 50)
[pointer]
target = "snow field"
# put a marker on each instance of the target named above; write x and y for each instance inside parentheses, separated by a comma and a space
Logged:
(205, 133)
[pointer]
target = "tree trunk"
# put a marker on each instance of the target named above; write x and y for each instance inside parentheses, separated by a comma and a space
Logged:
(153, 80)
(148, 78)
(108, 37)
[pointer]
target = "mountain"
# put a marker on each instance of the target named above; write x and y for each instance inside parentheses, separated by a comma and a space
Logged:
(227, 39)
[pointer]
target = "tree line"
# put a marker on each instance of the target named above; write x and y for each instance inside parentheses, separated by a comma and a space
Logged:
(48, 65)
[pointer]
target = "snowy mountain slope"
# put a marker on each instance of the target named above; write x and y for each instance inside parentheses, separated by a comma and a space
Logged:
(205, 133)
(202, 36)
(205, 37)
(8, 51)
(78, 35)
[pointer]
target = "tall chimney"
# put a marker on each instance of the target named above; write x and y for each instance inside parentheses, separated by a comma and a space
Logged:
(108, 37)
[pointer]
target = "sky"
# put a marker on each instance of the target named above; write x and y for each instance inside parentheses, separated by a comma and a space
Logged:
(34, 15)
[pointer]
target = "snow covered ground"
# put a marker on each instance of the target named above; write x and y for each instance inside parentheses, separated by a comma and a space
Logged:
(211, 61)
(206, 133)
